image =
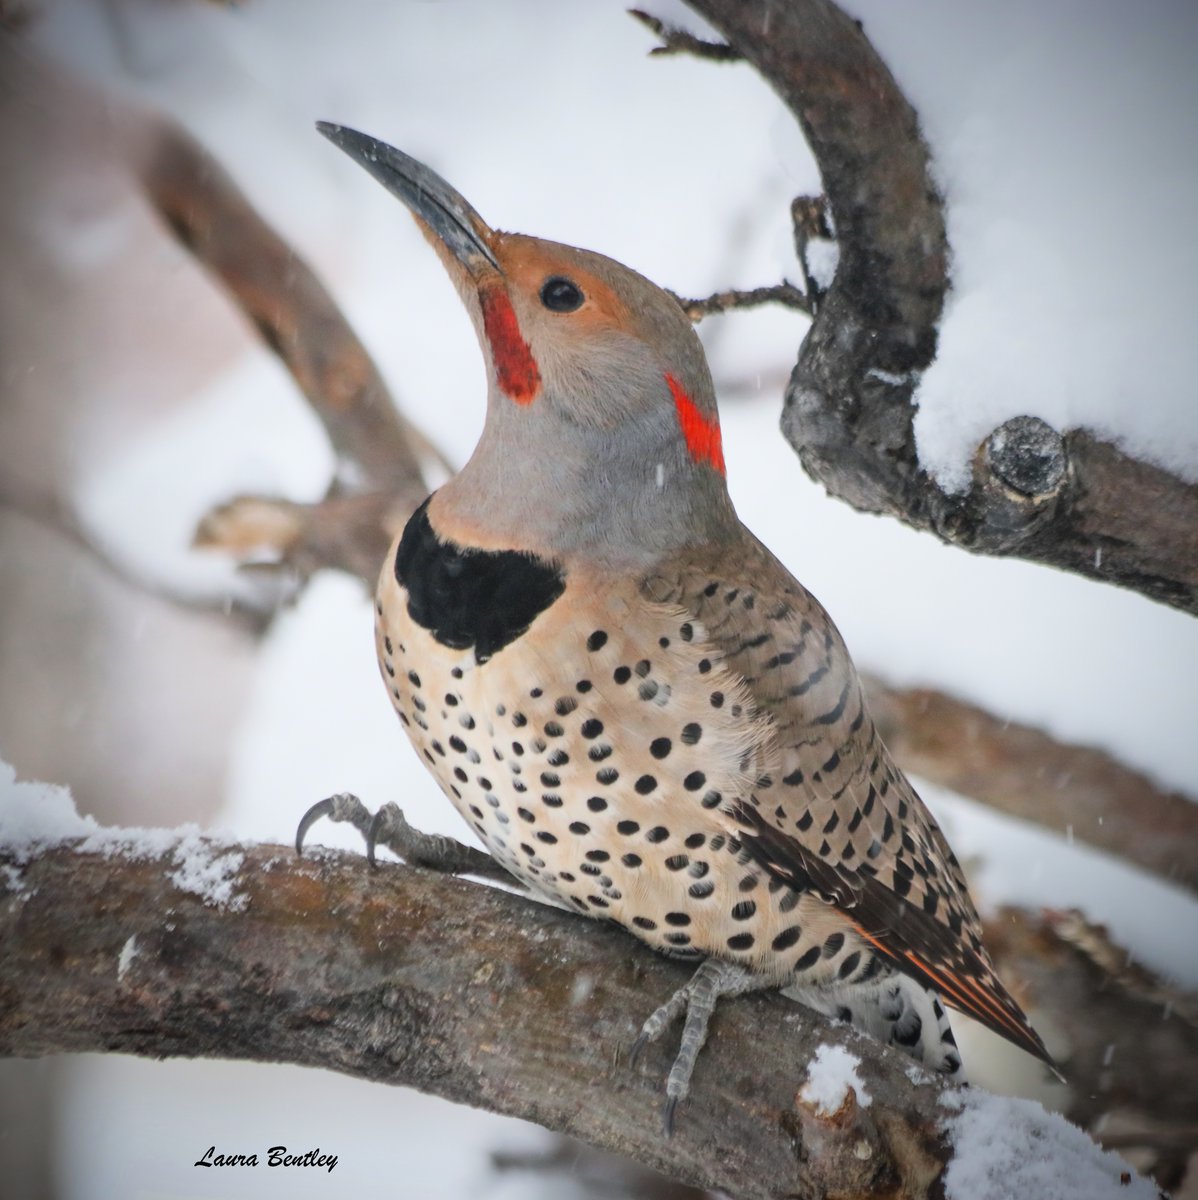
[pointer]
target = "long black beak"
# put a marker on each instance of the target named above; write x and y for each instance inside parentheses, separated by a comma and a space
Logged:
(445, 211)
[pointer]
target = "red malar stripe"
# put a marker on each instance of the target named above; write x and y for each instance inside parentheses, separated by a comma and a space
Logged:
(702, 433)
(514, 364)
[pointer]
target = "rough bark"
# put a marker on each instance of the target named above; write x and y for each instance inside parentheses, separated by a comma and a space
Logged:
(1067, 498)
(409, 977)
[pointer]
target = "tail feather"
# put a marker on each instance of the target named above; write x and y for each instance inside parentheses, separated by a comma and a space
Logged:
(898, 1011)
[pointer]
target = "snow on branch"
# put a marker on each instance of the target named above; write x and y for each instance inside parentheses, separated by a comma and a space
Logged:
(1064, 498)
(161, 944)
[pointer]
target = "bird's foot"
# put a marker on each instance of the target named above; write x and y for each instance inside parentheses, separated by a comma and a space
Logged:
(389, 827)
(697, 998)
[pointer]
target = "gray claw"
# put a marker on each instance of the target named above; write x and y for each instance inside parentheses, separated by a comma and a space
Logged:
(323, 808)
(372, 836)
(667, 1116)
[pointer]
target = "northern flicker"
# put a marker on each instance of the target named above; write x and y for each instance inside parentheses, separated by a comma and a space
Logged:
(635, 706)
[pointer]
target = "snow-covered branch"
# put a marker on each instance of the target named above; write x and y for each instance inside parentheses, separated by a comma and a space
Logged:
(147, 944)
(1061, 497)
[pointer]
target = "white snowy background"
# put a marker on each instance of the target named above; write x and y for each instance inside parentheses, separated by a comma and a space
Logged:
(1064, 140)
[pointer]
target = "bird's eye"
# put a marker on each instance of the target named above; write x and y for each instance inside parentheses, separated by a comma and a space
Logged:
(561, 295)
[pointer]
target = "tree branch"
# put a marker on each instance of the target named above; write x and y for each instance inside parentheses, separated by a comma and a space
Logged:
(1075, 790)
(1066, 499)
(782, 293)
(379, 479)
(477, 995)
(287, 304)
(679, 41)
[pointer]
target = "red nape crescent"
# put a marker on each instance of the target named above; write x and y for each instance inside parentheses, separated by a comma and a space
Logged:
(515, 366)
(702, 433)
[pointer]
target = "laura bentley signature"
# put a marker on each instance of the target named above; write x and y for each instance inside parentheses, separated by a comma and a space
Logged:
(276, 1156)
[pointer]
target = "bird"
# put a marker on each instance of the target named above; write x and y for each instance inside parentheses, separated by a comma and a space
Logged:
(640, 712)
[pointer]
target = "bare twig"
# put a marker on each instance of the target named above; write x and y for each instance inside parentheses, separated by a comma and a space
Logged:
(782, 293)
(1075, 790)
(478, 995)
(345, 533)
(1064, 498)
(678, 41)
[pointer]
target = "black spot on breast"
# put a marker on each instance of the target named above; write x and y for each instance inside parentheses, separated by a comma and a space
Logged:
(472, 598)
(807, 959)
(787, 938)
(848, 965)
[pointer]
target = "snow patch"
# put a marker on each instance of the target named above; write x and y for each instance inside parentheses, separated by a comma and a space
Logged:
(1005, 1147)
(36, 816)
(125, 958)
(821, 257)
(206, 872)
(830, 1074)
